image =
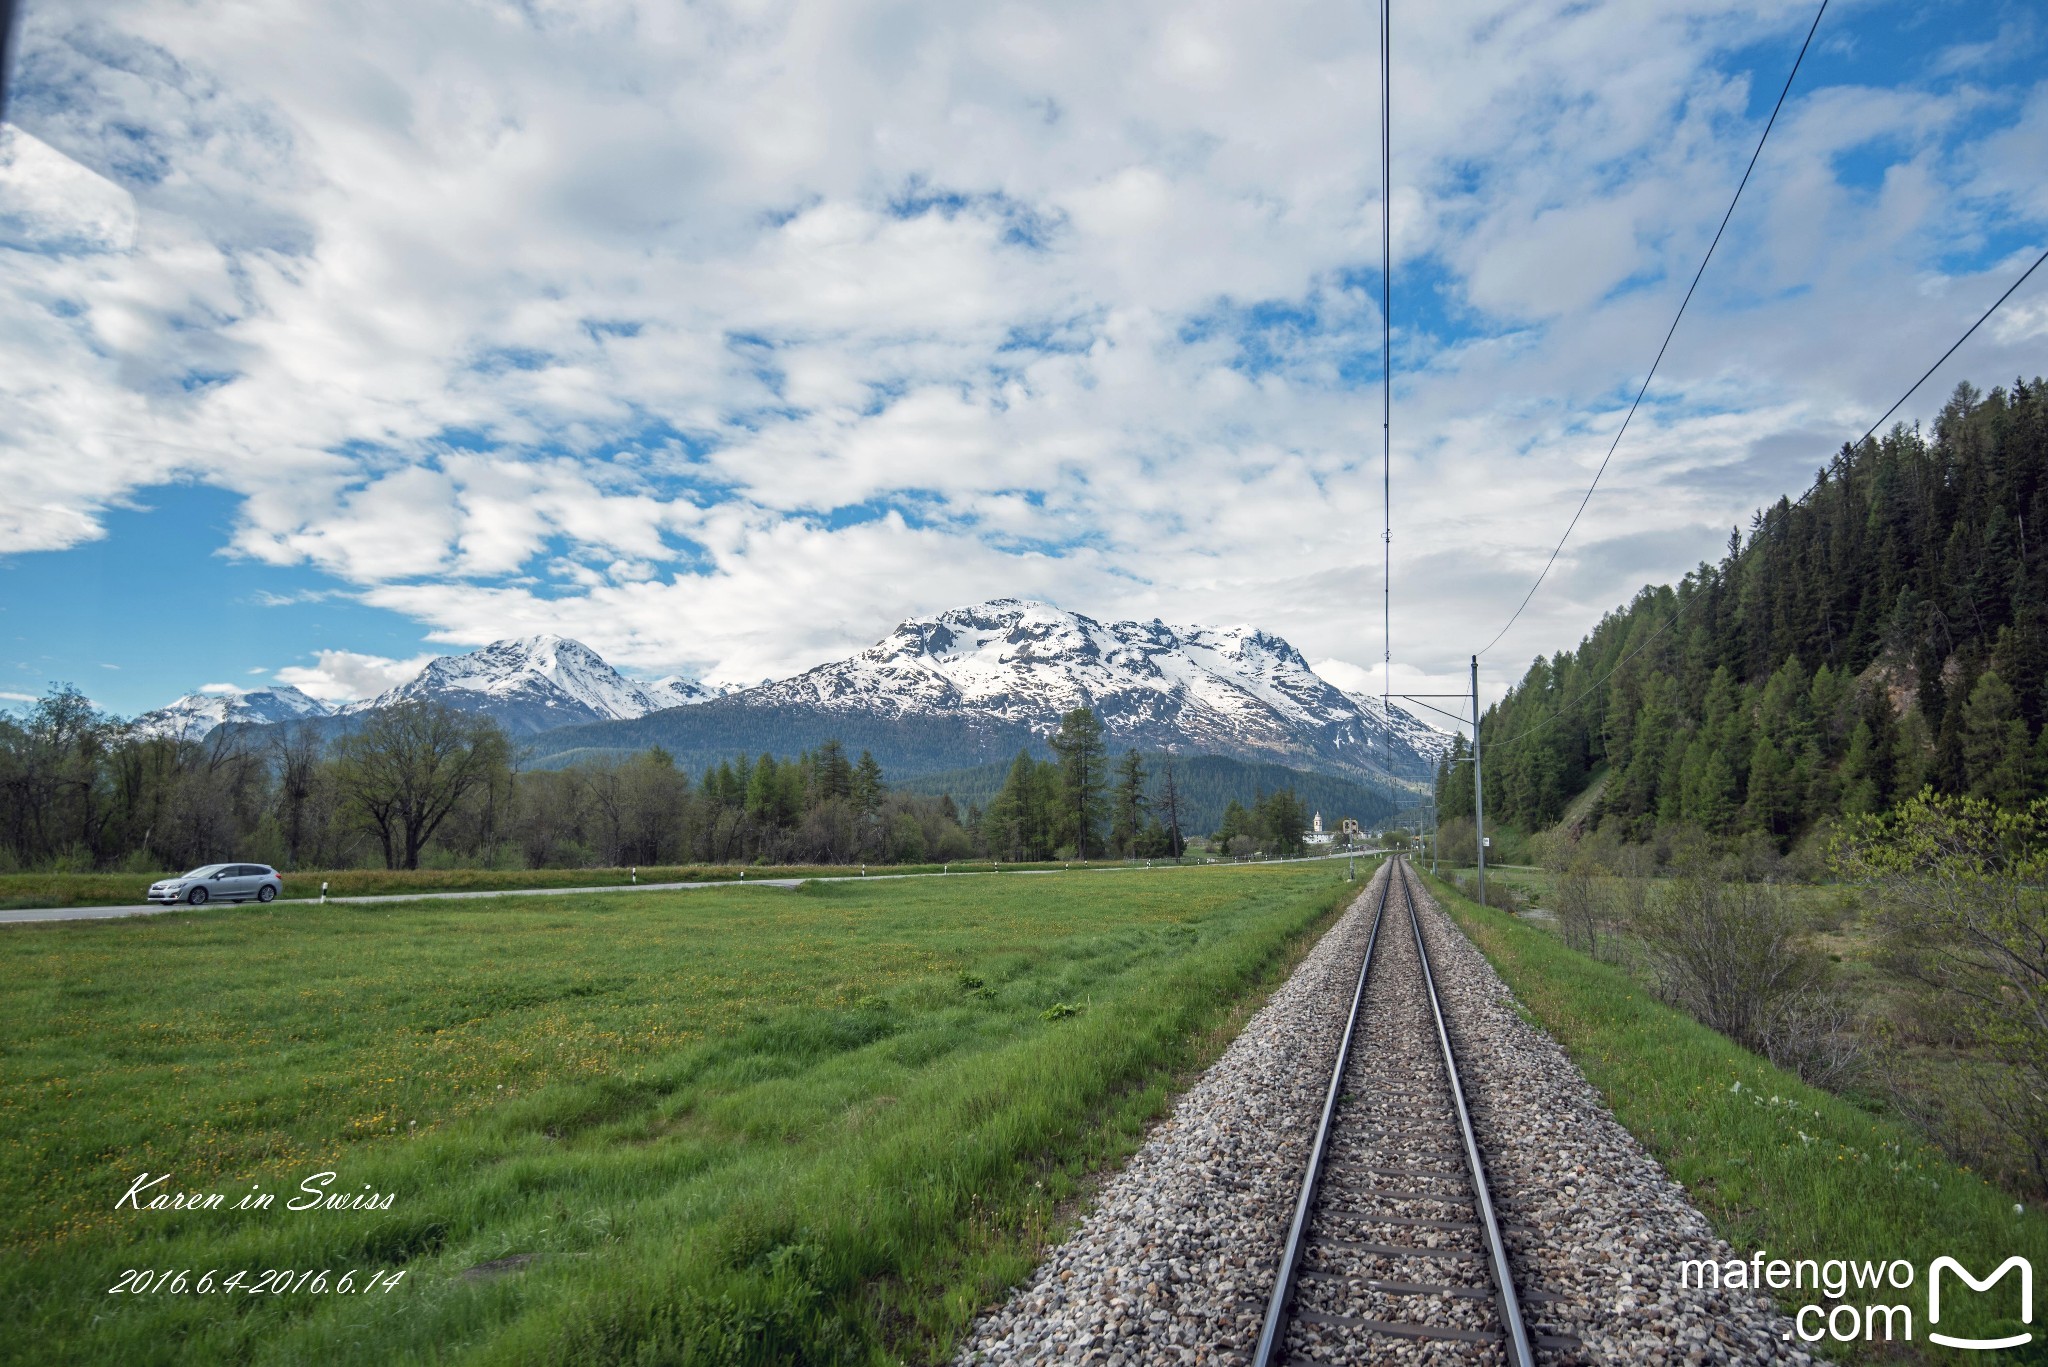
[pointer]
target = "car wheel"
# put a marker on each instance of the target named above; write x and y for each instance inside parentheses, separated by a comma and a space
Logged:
(197, 897)
(266, 893)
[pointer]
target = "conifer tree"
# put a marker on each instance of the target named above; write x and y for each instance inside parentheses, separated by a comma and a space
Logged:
(1862, 783)
(1082, 762)
(1912, 756)
(1997, 752)
(1169, 808)
(1009, 826)
(1129, 807)
(1773, 789)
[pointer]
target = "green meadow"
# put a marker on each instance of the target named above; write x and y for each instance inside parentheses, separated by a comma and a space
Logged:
(1773, 1163)
(20, 891)
(727, 1126)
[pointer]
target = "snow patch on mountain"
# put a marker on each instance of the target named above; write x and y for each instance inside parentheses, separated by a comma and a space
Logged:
(536, 683)
(529, 684)
(194, 715)
(1429, 742)
(1235, 689)
(676, 691)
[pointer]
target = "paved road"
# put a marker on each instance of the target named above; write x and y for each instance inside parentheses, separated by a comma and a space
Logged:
(153, 909)
(35, 914)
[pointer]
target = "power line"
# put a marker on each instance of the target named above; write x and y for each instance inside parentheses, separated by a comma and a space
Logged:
(1684, 606)
(1959, 341)
(1670, 332)
(1386, 362)
(1583, 693)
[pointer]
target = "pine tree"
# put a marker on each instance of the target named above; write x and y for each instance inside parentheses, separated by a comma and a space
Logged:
(1082, 760)
(1236, 822)
(1655, 731)
(1997, 752)
(1862, 784)
(1912, 756)
(1169, 807)
(1711, 801)
(1129, 806)
(867, 786)
(834, 770)
(1829, 703)
(1008, 826)
(761, 791)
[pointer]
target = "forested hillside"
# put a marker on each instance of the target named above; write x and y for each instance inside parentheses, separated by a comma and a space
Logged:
(1886, 629)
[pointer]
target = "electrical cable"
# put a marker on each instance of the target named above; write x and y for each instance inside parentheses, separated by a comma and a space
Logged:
(1687, 604)
(1386, 353)
(1387, 384)
(1669, 333)
(1959, 341)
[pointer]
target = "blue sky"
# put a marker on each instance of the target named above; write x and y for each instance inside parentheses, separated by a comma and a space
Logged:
(724, 337)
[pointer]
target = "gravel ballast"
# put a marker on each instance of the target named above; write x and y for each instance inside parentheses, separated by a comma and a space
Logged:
(1175, 1260)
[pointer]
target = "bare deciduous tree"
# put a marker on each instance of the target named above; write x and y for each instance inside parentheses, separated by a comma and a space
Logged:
(409, 766)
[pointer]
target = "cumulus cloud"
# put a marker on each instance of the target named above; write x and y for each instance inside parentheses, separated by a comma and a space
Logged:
(721, 337)
(345, 675)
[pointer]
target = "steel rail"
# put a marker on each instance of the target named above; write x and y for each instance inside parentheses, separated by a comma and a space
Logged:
(1272, 1336)
(1517, 1345)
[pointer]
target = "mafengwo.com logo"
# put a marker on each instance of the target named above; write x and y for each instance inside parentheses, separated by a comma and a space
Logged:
(1850, 1309)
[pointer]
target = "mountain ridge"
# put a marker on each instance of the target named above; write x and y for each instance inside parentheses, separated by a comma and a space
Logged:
(947, 690)
(195, 715)
(1001, 673)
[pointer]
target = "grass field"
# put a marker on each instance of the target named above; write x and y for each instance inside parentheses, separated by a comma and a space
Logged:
(1775, 1164)
(727, 1126)
(24, 890)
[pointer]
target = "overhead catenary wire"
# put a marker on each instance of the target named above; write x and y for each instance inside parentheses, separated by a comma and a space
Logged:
(1958, 343)
(1387, 389)
(1668, 333)
(1386, 354)
(1386, 360)
(1685, 605)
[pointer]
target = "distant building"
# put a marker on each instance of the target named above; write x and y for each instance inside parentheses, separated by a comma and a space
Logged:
(1319, 836)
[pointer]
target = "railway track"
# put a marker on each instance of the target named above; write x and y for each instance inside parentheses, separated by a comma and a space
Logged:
(1395, 1252)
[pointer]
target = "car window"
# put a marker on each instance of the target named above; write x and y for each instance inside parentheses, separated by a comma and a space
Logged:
(204, 871)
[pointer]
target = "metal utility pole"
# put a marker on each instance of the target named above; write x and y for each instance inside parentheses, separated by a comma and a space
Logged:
(1478, 785)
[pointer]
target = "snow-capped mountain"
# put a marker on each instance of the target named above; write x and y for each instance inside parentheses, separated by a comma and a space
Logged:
(195, 714)
(1232, 690)
(1425, 739)
(961, 687)
(537, 683)
(529, 685)
(677, 691)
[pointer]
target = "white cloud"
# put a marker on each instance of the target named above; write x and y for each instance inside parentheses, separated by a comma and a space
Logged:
(345, 675)
(588, 319)
(48, 202)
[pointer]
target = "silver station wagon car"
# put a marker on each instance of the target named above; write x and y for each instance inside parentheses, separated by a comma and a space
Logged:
(220, 883)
